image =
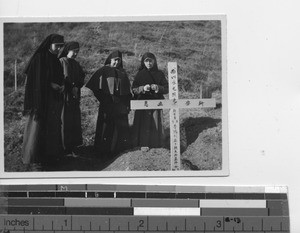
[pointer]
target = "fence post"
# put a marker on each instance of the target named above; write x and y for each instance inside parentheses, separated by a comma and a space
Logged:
(16, 81)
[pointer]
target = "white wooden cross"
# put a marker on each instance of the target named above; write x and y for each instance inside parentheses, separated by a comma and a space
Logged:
(174, 104)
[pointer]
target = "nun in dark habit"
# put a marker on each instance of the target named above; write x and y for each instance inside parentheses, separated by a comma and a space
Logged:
(111, 86)
(71, 114)
(43, 103)
(149, 84)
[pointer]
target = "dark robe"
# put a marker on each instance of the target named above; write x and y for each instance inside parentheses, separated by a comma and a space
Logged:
(71, 114)
(148, 124)
(111, 87)
(42, 136)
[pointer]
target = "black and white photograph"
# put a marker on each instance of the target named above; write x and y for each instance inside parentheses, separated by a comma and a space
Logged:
(196, 100)
(103, 96)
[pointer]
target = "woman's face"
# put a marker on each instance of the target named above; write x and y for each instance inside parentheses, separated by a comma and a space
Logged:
(149, 63)
(73, 53)
(115, 62)
(54, 48)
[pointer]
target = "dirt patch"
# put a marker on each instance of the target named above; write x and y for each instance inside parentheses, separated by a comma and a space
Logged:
(156, 159)
(206, 152)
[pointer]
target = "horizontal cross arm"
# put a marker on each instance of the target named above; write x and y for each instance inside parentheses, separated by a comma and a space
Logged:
(171, 104)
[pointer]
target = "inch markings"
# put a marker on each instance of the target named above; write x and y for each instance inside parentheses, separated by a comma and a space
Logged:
(141, 224)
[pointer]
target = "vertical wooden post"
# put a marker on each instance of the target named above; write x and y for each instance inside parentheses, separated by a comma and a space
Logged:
(174, 117)
(201, 90)
(16, 80)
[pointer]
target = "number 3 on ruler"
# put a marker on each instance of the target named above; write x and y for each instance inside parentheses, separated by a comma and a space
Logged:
(219, 224)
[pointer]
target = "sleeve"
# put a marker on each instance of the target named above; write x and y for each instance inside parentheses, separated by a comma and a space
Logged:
(137, 89)
(94, 82)
(163, 85)
(98, 94)
(33, 85)
(64, 64)
(127, 102)
(81, 77)
(125, 86)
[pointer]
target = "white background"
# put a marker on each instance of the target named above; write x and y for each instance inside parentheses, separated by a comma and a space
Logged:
(263, 48)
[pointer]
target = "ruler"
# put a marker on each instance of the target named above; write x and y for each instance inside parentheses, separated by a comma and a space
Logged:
(88, 208)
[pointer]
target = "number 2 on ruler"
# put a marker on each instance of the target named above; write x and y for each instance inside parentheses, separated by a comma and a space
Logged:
(141, 223)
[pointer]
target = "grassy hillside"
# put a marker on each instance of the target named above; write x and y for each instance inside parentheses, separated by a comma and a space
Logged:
(194, 45)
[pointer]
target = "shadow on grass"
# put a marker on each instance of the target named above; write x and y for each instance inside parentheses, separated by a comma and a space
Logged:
(84, 158)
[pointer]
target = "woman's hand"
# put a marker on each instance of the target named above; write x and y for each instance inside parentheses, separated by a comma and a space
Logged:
(147, 87)
(57, 87)
(154, 87)
(75, 92)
